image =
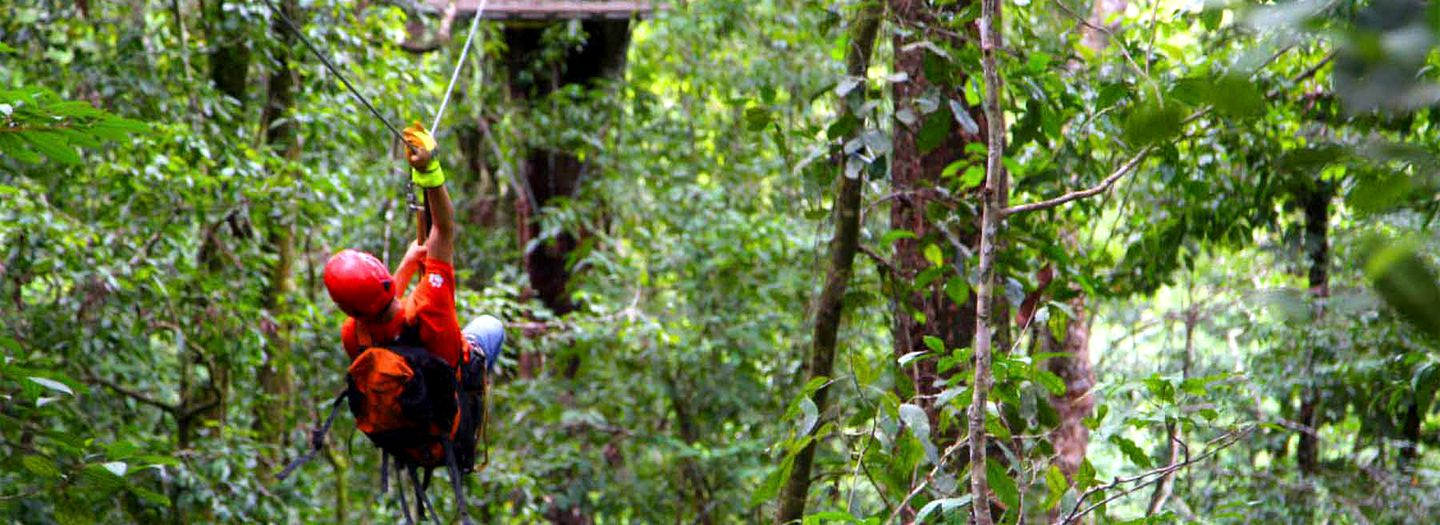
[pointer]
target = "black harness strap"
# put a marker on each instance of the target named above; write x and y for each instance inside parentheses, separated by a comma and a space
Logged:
(400, 488)
(455, 481)
(384, 471)
(421, 499)
(317, 439)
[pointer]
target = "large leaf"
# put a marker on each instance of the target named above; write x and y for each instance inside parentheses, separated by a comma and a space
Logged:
(1407, 283)
(53, 145)
(934, 130)
(943, 506)
(1154, 122)
(1001, 483)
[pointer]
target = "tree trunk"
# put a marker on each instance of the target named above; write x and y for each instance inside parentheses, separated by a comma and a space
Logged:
(276, 375)
(230, 54)
(1317, 247)
(915, 175)
(1174, 434)
(830, 305)
(1071, 437)
(1410, 431)
(550, 174)
(995, 200)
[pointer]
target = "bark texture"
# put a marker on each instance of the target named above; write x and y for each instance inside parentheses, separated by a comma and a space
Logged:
(548, 173)
(1317, 248)
(915, 175)
(994, 197)
(1071, 437)
(230, 55)
(830, 306)
(277, 376)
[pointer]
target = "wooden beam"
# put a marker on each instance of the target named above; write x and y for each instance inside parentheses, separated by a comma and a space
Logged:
(551, 9)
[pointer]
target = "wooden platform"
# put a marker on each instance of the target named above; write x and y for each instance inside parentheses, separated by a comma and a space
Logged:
(552, 9)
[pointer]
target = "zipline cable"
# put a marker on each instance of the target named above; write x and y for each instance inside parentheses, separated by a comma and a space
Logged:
(296, 29)
(459, 64)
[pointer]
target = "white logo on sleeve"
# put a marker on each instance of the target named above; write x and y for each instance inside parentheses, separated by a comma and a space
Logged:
(436, 280)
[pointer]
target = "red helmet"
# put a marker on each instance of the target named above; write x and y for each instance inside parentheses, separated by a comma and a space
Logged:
(358, 283)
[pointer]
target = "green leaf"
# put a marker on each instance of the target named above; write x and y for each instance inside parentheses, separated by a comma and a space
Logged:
(1000, 482)
(895, 235)
(935, 344)
(79, 139)
(1237, 96)
(1050, 381)
(957, 289)
(1151, 123)
(934, 255)
(53, 145)
(918, 422)
(74, 108)
(1085, 475)
(1375, 193)
(150, 496)
(1425, 383)
(12, 146)
(1407, 284)
(842, 127)
(952, 168)
(813, 385)
(102, 477)
(943, 506)
(52, 385)
(771, 486)
(934, 130)
(40, 466)
(1056, 484)
(756, 118)
(1211, 18)
(1132, 451)
(997, 428)
(927, 276)
(974, 175)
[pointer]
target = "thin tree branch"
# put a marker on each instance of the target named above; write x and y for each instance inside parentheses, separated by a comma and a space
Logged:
(1109, 35)
(132, 394)
(928, 477)
(882, 262)
(1221, 443)
(995, 197)
(1109, 181)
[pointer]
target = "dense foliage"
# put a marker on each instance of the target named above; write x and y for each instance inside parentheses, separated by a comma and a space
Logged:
(1238, 323)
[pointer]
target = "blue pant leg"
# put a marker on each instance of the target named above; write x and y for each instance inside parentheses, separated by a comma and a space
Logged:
(487, 334)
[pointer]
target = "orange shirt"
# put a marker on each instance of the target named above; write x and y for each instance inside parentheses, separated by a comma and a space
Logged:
(430, 307)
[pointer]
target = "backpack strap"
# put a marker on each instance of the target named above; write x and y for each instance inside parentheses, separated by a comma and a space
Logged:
(421, 500)
(400, 489)
(484, 422)
(384, 471)
(455, 480)
(317, 438)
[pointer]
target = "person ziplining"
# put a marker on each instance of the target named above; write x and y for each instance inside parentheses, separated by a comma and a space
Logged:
(360, 285)
(416, 381)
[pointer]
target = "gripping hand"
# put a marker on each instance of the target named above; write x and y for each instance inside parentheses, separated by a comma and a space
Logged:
(424, 169)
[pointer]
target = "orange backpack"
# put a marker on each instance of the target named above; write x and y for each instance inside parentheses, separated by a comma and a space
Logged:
(418, 410)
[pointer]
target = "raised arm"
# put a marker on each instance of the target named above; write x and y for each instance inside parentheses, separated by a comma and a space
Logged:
(426, 173)
(441, 243)
(414, 261)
